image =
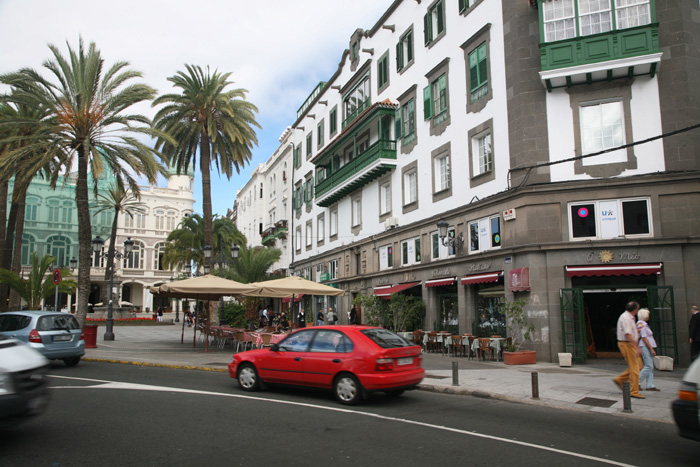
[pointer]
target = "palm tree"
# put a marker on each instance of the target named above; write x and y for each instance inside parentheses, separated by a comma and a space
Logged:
(120, 201)
(38, 285)
(88, 125)
(253, 264)
(206, 117)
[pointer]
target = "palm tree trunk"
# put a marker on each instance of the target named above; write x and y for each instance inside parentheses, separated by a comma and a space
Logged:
(106, 293)
(205, 164)
(15, 299)
(4, 187)
(6, 256)
(84, 236)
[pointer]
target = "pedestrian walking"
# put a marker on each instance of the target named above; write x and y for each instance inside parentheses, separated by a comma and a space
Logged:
(648, 346)
(160, 315)
(694, 332)
(331, 317)
(319, 318)
(353, 316)
(627, 341)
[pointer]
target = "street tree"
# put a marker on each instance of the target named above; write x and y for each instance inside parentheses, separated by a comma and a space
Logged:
(39, 285)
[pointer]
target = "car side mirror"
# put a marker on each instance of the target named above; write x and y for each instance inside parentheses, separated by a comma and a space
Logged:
(274, 348)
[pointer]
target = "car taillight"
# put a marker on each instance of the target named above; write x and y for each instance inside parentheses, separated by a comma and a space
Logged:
(34, 337)
(384, 364)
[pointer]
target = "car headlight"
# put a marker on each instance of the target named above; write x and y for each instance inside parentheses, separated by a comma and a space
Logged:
(7, 385)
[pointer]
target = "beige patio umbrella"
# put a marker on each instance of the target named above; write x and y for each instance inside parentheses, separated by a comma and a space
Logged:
(292, 286)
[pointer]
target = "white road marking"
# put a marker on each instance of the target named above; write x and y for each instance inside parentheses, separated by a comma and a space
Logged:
(104, 384)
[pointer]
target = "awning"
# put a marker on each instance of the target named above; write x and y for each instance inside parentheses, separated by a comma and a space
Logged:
(614, 270)
(481, 278)
(387, 290)
(297, 298)
(440, 282)
(519, 280)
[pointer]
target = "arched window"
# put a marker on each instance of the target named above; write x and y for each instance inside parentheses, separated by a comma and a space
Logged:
(59, 246)
(170, 224)
(160, 219)
(28, 247)
(135, 259)
(158, 252)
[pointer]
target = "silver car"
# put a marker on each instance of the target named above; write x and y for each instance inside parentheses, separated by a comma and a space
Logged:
(55, 335)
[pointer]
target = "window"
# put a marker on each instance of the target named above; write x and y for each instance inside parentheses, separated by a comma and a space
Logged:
(383, 72)
(356, 101)
(331, 342)
(135, 259)
(435, 99)
(385, 198)
(333, 227)
(478, 73)
(309, 234)
(297, 243)
(160, 219)
(485, 234)
(31, 205)
(333, 121)
(439, 251)
(28, 247)
(170, 221)
(297, 156)
(354, 51)
(333, 269)
(406, 122)
(434, 23)
(594, 17)
(386, 257)
(410, 251)
(60, 248)
(319, 134)
(441, 171)
(309, 191)
(321, 228)
(602, 127)
(356, 212)
(404, 50)
(309, 140)
(158, 253)
(482, 161)
(610, 219)
(410, 187)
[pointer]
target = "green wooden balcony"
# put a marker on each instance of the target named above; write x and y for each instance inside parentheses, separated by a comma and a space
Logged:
(378, 159)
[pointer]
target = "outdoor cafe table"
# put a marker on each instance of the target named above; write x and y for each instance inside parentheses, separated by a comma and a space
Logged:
(495, 345)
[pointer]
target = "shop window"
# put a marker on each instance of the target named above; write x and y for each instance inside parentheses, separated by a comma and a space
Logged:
(485, 234)
(610, 219)
(490, 321)
(386, 257)
(410, 252)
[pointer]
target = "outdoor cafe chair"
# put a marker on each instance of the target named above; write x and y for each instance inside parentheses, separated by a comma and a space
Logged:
(457, 345)
(485, 346)
(431, 343)
(265, 340)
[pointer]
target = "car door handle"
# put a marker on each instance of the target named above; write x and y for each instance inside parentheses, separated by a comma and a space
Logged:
(298, 359)
(336, 360)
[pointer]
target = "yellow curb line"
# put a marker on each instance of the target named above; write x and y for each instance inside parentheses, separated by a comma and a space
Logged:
(157, 365)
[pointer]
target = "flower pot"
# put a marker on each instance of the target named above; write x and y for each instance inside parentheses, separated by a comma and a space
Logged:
(520, 357)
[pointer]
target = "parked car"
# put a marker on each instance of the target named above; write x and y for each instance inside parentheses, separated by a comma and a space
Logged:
(351, 360)
(55, 335)
(685, 408)
(23, 386)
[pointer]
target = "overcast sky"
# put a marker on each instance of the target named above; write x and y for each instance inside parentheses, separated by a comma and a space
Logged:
(276, 49)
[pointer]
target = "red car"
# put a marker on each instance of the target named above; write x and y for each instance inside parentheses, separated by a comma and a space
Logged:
(350, 360)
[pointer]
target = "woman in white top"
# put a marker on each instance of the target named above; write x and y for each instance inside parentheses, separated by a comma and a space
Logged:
(648, 346)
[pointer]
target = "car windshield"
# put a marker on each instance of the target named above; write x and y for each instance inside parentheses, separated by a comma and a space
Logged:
(10, 322)
(57, 322)
(386, 339)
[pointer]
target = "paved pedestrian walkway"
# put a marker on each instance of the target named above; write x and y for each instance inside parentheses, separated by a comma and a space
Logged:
(583, 387)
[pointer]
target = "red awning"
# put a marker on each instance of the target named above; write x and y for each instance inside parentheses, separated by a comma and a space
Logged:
(386, 291)
(297, 298)
(481, 278)
(440, 282)
(614, 270)
(519, 280)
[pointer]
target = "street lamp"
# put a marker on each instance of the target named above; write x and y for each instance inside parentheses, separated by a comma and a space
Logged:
(451, 242)
(97, 244)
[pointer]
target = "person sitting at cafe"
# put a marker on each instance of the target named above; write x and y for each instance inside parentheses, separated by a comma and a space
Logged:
(283, 324)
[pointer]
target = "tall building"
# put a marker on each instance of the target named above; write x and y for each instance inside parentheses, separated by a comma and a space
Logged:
(556, 143)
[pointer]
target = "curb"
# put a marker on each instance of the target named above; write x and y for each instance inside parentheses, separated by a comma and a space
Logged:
(158, 365)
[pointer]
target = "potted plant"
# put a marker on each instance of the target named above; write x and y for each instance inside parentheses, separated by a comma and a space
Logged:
(520, 330)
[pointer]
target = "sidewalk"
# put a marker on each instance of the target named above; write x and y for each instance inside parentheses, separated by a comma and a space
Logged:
(585, 387)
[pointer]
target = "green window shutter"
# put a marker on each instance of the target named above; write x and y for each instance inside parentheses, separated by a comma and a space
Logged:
(427, 25)
(399, 56)
(473, 71)
(390, 257)
(427, 103)
(397, 124)
(417, 249)
(409, 47)
(440, 19)
(483, 69)
(462, 5)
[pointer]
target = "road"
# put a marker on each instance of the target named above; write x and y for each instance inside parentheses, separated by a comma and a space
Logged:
(110, 414)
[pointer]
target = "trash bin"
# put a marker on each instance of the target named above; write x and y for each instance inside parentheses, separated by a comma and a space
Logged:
(90, 333)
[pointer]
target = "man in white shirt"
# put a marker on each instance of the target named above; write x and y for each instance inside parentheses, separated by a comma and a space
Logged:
(627, 341)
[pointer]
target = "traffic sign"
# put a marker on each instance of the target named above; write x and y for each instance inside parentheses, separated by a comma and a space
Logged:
(56, 276)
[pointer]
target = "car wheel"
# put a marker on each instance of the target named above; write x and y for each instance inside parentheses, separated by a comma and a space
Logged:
(71, 361)
(248, 378)
(347, 389)
(394, 392)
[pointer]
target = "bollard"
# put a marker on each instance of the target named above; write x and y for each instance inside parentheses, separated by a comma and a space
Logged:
(455, 374)
(626, 399)
(535, 386)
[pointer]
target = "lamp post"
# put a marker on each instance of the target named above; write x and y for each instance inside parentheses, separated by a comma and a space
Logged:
(97, 244)
(450, 242)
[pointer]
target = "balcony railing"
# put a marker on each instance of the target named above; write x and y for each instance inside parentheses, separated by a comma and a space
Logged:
(344, 179)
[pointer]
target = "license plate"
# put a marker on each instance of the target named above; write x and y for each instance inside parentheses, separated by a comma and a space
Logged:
(62, 338)
(404, 361)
